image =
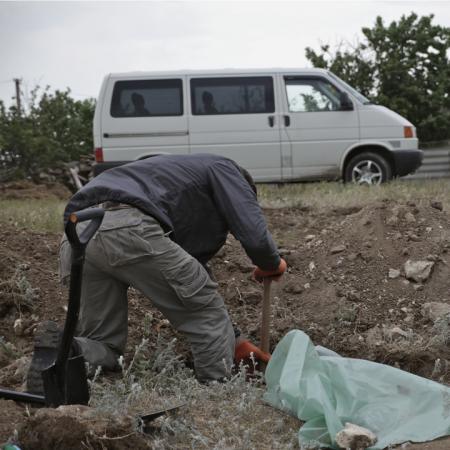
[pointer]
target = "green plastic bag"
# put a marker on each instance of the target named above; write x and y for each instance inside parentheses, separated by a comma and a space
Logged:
(327, 391)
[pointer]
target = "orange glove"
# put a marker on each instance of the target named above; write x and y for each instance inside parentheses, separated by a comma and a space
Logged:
(244, 350)
(275, 275)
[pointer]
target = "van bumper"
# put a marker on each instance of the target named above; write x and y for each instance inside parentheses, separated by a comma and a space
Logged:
(102, 166)
(407, 161)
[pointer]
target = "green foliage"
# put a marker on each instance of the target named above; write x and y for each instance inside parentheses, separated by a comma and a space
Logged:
(54, 129)
(404, 66)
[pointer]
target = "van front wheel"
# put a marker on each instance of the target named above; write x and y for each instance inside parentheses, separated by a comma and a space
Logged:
(367, 168)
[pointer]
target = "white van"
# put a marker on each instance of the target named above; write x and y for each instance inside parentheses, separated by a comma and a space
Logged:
(281, 124)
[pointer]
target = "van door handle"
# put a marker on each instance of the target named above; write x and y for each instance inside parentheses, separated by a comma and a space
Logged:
(287, 121)
(271, 121)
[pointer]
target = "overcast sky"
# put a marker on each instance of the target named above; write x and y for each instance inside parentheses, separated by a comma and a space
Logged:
(74, 44)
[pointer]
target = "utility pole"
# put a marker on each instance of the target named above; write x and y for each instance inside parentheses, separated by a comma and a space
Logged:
(19, 107)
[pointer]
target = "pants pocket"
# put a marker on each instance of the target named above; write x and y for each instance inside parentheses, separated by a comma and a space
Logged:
(124, 246)
(191, 283)
(122, 237)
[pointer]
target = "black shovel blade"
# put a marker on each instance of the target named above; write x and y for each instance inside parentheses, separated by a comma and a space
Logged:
(66, 385)
(146, 418)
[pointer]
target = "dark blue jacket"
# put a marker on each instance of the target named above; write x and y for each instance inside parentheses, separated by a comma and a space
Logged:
(199, 198)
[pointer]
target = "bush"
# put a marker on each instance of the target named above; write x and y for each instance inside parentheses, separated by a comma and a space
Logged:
(54, 129)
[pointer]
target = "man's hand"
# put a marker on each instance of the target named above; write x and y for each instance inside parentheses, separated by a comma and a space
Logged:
(274, 275)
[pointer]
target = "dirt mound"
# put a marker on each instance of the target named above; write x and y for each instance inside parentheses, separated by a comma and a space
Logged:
(11, 415)
(28, 190)
(48, 429)
(346, 277)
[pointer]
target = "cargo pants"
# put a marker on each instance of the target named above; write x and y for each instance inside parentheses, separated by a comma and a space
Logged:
(131, 249)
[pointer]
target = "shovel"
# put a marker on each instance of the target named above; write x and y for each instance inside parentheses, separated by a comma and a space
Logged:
(65, 381)
(265, 319)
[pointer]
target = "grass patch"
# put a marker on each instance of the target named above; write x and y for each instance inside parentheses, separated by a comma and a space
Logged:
(326, 195)
(43, 215)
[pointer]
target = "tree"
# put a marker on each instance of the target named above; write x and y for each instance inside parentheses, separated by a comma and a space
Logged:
(54, 129)
(404, 66)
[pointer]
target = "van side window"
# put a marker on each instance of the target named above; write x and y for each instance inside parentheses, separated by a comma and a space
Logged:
(232, 95)
(152, 98)
(311, 95)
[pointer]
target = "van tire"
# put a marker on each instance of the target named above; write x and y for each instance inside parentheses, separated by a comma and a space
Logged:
(368, 168)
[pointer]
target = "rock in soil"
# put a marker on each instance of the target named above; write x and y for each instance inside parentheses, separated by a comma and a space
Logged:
(394, 273)
(437, 205)
(337, 249)
(435, 310)
(355, 437)
(418, 270)
(396, 333)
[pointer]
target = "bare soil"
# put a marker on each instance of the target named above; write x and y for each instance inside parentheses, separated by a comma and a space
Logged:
(28, 190)
(337, 289)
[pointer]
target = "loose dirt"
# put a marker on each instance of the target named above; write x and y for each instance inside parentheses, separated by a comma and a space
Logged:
(339, 289)
(29, 190)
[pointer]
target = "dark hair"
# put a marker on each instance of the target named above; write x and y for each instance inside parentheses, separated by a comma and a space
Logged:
(207, 97)
(249, 179)
(137, 99)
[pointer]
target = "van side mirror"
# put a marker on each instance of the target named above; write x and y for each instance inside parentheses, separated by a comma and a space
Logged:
(346, 103)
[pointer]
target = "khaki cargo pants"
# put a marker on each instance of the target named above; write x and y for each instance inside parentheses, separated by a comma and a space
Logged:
(131, 249)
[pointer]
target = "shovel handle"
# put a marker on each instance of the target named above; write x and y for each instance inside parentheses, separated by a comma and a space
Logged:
(265, 321)
(95, 215)
(78, 244)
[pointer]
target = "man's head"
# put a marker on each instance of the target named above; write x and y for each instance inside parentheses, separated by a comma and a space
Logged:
(249, 179)
(207, 98)
(137, 99)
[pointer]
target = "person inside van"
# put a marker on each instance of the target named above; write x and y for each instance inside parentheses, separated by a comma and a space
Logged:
(139, 105)
(165, 218)
(208, 103)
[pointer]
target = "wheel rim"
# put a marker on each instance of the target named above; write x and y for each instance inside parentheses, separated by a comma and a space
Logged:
(367, 172)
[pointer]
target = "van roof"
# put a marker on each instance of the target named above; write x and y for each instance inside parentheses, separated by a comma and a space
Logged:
(277, 70)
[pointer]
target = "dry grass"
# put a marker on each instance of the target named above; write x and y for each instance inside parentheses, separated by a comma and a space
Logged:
(217, 416)
(42, 215)
(326, 195)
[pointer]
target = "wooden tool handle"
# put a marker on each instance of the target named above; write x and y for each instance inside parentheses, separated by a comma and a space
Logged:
(265, 321)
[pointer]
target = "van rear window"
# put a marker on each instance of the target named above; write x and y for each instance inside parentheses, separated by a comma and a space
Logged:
(147, 98)
(232, 95)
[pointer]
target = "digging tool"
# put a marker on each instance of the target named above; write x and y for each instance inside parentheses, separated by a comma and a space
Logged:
(148, 417)
(65, 381)
(265, 319)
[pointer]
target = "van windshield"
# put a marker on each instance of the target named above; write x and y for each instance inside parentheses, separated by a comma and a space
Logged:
(353, 91)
